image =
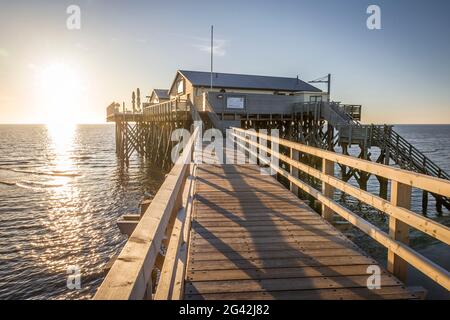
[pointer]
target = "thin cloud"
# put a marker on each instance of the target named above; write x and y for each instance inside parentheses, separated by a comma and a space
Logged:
(205, 46)
(202, 44)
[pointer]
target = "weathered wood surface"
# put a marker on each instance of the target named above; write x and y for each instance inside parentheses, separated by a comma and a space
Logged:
(130, 277)
(397, 246)
(253, 239)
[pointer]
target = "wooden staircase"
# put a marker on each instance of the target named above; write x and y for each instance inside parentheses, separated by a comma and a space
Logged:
(396, 148)
(406, 156)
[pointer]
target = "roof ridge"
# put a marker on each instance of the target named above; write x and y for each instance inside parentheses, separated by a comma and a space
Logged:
(242, 74)
(256, 82)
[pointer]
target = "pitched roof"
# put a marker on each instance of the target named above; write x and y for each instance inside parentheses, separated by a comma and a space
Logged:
(244, 81)
(162, 93)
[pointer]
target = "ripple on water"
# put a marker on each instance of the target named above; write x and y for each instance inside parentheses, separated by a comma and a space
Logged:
(72, 220)
(61, 208)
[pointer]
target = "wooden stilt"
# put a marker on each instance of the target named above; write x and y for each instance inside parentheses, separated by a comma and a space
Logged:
(424, 202)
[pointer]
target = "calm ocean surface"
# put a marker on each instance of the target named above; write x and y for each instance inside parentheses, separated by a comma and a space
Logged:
(62, 190)
(67, 192)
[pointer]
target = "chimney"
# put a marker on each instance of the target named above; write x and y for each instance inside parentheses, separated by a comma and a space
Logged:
(297, 79)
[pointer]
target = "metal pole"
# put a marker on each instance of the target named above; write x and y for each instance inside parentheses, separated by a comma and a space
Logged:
(212, 49)
(329, 87)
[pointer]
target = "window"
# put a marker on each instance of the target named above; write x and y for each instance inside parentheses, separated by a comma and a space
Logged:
(180, 87)
(315, 99)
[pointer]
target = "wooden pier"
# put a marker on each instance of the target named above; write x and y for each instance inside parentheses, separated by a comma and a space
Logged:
(148, 133)
(318, 124)
(224, 231)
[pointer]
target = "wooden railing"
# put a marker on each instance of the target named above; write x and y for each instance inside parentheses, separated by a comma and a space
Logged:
(212, 115)
(165, 227)
(401, 218)
(194, 113)
(166, 108)
(400, 147)
(354, 110)
(335, 113)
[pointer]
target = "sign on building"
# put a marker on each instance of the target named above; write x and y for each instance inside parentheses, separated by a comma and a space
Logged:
(235, 102)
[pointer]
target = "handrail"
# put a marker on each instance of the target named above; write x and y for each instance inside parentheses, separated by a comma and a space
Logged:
(130, 276)
(338, 114)
(158, 105)
(398, 209)
(423, 161)
(212, 115)
(342, 112)
(354, 110)
(417, 180)
(166, 107)
(194, 112)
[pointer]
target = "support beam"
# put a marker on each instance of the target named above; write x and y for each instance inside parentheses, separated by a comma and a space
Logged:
(398, 230)
(327, 190)
(383, 187)
(424, 202)
(295, 155)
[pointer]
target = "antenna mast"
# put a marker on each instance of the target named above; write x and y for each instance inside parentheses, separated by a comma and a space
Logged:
(212, 49)
(327, 80)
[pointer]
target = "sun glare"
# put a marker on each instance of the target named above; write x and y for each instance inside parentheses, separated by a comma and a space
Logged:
(61, 94)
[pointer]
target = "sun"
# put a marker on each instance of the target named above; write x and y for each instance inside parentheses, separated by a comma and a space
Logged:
(61, 91)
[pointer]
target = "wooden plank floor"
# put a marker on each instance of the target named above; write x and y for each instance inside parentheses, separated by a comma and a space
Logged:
(253, 239)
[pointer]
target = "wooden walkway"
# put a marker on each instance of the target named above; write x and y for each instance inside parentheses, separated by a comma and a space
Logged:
(253, 239)
(217, 231)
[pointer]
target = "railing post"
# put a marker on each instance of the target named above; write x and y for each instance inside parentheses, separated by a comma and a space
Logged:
(295, 155)
(327, 190)
(398, 230)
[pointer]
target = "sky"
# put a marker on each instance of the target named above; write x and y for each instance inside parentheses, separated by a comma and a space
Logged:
(399, 74)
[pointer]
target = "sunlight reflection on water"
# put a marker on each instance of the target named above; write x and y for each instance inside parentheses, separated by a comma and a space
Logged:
(62, 209)
(67, 191)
